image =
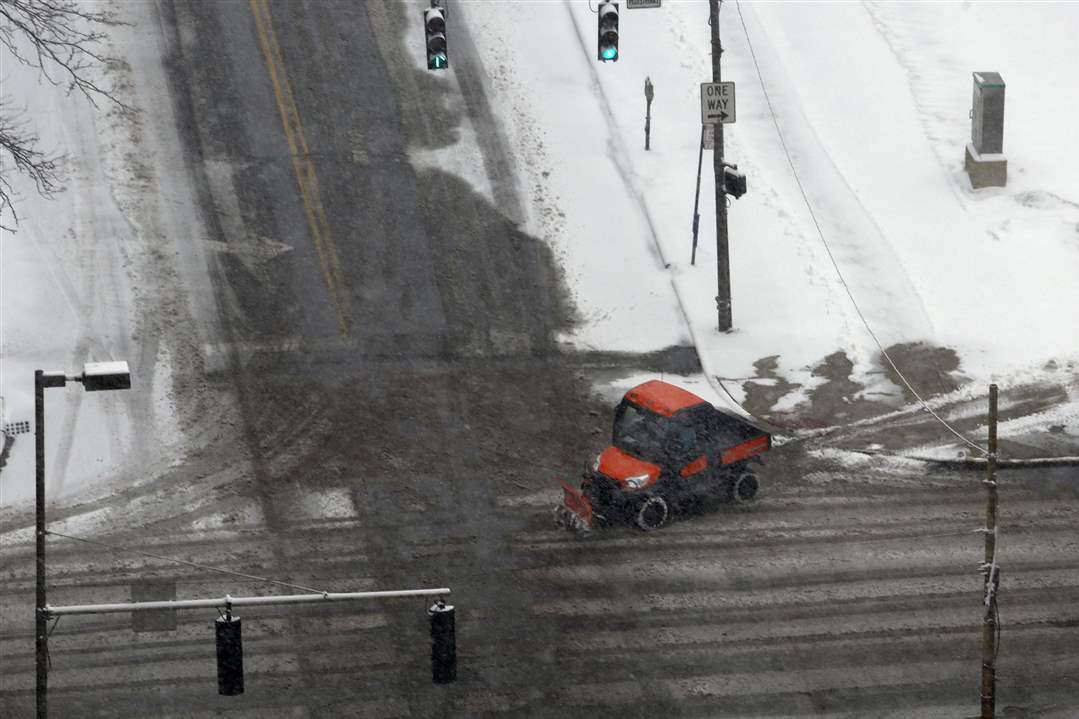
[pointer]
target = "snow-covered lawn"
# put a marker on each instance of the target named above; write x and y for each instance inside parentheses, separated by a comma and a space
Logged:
(872, 101)
(109, 269)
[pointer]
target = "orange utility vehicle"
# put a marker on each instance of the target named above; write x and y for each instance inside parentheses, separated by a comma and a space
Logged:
(670, 450)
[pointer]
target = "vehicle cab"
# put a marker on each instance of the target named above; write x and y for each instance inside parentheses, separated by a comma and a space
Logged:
(669, 449)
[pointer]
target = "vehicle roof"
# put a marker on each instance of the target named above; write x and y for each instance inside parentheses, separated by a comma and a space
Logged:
(662, 398)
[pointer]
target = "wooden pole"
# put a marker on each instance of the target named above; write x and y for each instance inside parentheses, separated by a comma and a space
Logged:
(723, 266)
(992, 572)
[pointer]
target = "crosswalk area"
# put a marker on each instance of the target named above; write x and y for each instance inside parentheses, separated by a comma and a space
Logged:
(804, 604)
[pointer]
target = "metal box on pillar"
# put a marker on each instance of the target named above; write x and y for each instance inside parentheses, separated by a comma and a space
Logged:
(985, 162)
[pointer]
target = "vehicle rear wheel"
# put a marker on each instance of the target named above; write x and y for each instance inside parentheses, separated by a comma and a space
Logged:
(652, 514)
(744, 487)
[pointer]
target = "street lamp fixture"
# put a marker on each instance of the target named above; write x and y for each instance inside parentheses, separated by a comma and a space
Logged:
(95, 377)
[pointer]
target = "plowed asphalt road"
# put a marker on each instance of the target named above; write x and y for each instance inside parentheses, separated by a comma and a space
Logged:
(402, 410)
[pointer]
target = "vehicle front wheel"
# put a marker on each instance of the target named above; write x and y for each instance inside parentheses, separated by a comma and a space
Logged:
(653, 513)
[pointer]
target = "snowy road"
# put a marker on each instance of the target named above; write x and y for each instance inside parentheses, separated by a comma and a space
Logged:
(387, 402)
(843, 593)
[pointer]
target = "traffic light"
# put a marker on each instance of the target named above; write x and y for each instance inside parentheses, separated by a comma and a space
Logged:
(434, 25)
(230, 656)
(443, 643)
(608, 31)
(734, 181)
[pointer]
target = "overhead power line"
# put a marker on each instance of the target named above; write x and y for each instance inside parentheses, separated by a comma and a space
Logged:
(831, 257)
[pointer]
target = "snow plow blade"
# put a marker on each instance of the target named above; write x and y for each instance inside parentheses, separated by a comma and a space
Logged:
(575, 512)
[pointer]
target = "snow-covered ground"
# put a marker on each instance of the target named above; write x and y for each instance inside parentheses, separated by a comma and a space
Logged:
(106, 270)
(872, 101)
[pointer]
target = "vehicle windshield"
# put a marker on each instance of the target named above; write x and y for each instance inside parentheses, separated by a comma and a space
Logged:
(649, 436)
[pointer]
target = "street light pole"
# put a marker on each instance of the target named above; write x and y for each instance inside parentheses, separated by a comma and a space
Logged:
(95, 376)
(41, 625)
(42, 380)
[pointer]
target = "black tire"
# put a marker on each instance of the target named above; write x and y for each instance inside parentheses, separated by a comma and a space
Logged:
(652, 514)
(744, 487)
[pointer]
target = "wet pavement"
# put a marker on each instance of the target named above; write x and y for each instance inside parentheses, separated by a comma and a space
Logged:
(403, 411)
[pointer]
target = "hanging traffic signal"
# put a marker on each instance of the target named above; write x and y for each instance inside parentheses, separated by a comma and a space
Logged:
(443, 643)
(608, 31)
(434, 25)
(734, 182)
(230, 656)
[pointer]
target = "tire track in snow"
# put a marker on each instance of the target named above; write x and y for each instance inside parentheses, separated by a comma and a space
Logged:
(844, 216)
(617, 149)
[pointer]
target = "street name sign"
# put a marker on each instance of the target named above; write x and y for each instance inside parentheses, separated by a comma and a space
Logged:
(639, 4)
(717, 103)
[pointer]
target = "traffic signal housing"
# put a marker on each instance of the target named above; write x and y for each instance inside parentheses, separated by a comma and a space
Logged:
(608, 31)
(734, 182)
(434, 26)
(443, 643)
(230, 655)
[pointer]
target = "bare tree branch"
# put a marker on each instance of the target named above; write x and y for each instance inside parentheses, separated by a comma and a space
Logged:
(61, 39)
(21, 145)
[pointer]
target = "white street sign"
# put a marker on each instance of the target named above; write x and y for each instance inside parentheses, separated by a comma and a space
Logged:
(709, 137)
(638, 4)
(717, 102)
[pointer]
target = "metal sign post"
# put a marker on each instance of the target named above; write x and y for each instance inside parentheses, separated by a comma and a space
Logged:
(697, 197)
(649, 93)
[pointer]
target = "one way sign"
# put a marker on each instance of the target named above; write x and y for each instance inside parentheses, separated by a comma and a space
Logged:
(717, 103)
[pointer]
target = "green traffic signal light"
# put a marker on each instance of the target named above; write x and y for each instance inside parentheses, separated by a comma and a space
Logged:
(434, 23)
(607, 13)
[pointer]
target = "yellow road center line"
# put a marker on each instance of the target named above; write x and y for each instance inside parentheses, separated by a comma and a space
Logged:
(302, 165)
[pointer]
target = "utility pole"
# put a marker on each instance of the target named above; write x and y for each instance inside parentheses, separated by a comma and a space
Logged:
(991, 570)
(723, 265)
